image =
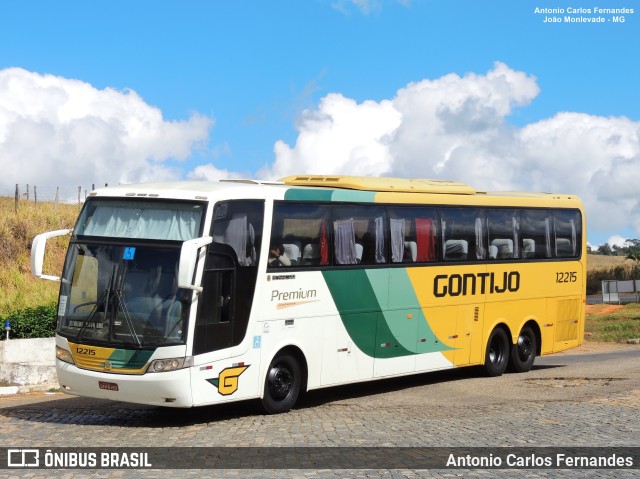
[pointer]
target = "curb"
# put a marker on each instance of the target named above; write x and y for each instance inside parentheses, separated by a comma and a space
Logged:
(26, 378)
(8, 390)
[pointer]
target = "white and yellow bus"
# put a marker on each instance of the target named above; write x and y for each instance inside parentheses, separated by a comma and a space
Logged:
(194, 293)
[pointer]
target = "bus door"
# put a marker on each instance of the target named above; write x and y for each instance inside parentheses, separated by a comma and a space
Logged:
(230, 274)
(217, 303)
(224, 305)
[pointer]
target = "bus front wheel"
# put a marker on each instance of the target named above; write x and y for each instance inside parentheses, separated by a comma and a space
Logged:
(282, 385)
(523, 353)
(497, 356)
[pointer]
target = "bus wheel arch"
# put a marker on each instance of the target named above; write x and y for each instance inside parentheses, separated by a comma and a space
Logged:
(285, 379)
(525, 349)
(497, 351)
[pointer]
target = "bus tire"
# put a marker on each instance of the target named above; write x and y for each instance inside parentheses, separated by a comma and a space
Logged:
(282, 384)
(523, 353)
(496, 358)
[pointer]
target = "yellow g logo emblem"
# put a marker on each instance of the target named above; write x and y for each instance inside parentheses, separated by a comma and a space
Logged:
(227, 380)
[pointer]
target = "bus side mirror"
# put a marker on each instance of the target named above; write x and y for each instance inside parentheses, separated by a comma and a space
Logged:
(38, 248)
(190, 254)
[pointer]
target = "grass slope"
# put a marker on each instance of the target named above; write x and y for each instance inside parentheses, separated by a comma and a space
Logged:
(18, 289)
(599, 262)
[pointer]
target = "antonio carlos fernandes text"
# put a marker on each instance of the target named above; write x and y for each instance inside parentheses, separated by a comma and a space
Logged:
(561, 461)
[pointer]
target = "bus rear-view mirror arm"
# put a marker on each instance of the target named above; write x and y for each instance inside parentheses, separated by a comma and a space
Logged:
(38, 248)
(190, 254)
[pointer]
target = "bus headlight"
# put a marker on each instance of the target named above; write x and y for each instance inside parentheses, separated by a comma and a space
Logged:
(64, 355)
(173, 364)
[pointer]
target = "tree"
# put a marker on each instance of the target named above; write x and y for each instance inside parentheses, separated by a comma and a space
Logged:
(605, 249)
(633, 246)
(635, 257)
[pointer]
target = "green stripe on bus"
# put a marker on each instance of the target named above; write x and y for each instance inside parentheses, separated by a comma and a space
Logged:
(419, 336)
(299, 194)
(355, 196)
(129, 359)
(360, 311)
(319, 194)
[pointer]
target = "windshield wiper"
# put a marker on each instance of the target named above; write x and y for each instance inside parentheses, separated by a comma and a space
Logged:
(122, 306)
(127, 317)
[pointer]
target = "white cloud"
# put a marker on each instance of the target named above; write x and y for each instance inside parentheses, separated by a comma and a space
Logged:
(458, 128)
(58, 131)
(364, 6)
(209, 172)
(617, 240)
(453, 127)
(595, 157)
(340, 137)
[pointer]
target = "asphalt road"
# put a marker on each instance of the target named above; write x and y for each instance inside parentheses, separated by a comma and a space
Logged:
(588, 397)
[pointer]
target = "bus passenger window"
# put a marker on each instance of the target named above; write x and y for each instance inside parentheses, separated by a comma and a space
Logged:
(302, 231)
(535, 229)
(239, 225)
(413, 234)
(502, 230)
(359, 235)
(463, 234)
(567, 234)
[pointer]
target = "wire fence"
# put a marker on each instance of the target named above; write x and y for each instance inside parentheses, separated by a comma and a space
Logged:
(55, 194)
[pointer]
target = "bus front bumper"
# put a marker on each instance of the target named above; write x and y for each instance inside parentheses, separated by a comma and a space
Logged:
(172, 389)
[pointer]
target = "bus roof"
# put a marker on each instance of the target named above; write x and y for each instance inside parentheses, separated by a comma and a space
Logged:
(176, 189)
(407, 190)
(372, 183)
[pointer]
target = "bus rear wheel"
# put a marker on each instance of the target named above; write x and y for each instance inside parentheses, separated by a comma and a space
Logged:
(282, 384)
(523, 353)
(497, 355)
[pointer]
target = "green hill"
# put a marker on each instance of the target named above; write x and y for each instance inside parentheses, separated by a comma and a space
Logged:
(18, 289)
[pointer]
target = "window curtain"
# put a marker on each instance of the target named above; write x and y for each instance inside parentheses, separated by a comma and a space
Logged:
(547, 232)
(379, 222)
(425, 239)
(162, 224)
(251, 246)
(443, 233)
(239, 235)
(397, 239)
(516, 236)
(324, 244)
(574, 246)
(344, 241)
(479, 239)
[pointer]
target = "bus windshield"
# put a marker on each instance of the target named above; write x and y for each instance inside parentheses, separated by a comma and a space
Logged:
(122, 295)
(119, 283)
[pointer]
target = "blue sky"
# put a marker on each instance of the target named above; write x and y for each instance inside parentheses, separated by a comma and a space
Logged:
(232, 80)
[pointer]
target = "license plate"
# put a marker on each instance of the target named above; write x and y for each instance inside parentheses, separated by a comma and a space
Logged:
(108, 386)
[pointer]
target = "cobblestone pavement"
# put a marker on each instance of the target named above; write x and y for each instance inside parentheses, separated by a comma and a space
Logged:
(579, 398)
